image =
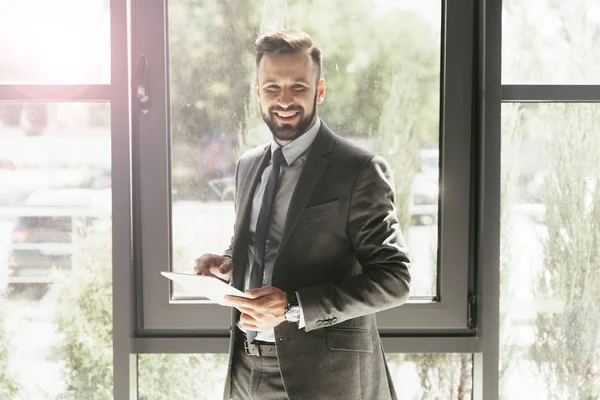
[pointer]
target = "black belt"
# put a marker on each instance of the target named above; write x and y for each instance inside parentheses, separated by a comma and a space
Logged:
(256, 348)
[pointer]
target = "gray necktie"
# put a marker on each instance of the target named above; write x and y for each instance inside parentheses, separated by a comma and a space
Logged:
(262, 228)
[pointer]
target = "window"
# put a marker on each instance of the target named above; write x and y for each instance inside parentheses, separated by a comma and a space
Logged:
(55, 259)
(550, 179)
(562, 35)
(549, 291)
(202, 376)
(384, 90)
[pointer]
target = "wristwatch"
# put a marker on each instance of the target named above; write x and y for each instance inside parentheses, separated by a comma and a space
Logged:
(292, 311)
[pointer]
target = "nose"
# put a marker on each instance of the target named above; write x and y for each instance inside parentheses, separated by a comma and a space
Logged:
(285, 98)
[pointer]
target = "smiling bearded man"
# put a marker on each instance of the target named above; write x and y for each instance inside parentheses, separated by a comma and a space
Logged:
(316, 246)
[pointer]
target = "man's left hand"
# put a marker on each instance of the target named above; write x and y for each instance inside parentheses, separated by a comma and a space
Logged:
(264, 310)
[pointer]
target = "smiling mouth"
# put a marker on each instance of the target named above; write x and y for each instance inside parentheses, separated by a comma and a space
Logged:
(286, 116)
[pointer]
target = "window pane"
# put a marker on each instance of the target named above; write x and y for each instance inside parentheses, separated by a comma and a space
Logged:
(55, 253)
(550, 41)
(381, 62)
(202, 376)
(550, 279)
(59, 41)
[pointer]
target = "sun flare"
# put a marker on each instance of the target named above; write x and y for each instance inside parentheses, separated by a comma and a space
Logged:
(60, 41)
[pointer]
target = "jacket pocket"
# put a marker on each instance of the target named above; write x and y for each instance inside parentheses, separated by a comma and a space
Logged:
(349, 340)
(320, 210)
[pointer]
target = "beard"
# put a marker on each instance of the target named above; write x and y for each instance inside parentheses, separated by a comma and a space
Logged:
(289, 132)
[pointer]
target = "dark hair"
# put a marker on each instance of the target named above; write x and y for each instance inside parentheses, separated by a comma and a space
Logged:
(286, 41)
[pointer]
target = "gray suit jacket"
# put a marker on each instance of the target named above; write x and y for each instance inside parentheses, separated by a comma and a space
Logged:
(343, 252)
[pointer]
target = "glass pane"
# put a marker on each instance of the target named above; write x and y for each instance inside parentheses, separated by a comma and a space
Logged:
(381, 62)
(58, 42)
(550, 41)
(55, 254)
(202, 376)
(550, 279)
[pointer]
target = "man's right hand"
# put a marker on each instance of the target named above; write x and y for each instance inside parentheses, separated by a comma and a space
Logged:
(213, 265)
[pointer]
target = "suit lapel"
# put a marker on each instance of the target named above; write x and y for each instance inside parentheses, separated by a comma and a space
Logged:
(242, 223)
(315, 166)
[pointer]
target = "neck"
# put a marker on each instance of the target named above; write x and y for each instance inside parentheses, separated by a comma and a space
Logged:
(283, 143)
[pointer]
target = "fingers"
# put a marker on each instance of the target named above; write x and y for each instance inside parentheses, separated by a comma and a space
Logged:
(260, 292)
(226, 265)
(202, 264)
(248, 311)
(255, 308)
(220, 271)
(214, 265)
(250, 323)
(240, 302)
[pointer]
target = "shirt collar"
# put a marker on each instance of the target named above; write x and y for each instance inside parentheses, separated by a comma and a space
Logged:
(294, 149)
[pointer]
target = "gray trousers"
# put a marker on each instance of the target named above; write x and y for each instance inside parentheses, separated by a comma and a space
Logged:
(253, 377)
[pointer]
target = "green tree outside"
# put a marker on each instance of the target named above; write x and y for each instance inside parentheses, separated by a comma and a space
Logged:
(567, 344)
(8, 385)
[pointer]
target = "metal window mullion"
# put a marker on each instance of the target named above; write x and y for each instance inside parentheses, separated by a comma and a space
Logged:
(48, 93)
(123, 279)
(550, 93)
(153, 189)
(455, 147)
(485, 362)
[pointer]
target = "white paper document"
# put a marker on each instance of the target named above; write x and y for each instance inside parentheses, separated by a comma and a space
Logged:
(205, 286)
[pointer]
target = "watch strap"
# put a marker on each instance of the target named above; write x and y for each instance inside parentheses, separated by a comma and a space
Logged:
(292, 299)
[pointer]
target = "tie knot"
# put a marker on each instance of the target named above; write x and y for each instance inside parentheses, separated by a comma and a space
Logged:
(278, 158)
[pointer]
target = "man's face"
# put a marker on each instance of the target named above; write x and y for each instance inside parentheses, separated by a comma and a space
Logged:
(288, 93)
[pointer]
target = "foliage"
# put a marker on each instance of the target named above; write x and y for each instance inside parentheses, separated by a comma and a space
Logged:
(567, 330)
(361, 61)
(567, 344)
(181, 376)
(84, 320)
(443, 376)
(398, 142)
(212, 77)
(8, 385)
(211, 66)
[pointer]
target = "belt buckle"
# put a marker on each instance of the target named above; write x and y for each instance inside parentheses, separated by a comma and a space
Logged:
(248, 351)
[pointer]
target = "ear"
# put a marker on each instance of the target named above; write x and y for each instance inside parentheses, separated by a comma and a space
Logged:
(321, 91)
(256, 88)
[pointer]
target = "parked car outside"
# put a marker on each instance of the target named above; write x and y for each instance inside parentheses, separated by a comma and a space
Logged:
(424, 191)
(43, 232)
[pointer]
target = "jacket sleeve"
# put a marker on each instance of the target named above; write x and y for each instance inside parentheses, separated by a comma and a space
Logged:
(379, 246)
(229, 251)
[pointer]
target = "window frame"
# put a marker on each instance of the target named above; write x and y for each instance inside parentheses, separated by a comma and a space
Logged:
(448, 312)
